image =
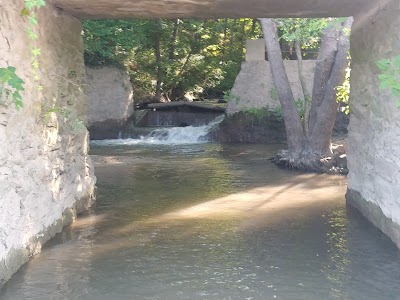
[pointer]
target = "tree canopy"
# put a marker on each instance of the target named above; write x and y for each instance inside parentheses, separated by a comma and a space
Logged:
(172, 57)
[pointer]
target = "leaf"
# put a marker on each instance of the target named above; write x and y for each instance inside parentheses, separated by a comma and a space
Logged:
(33, 19)
(40, 3)
(384, 85)
(36, 52)
(396, 61)
(16, 83)
(29, 4)
(25, 12)
(396, 93)
(383, 64)
(35, 64)
(12, 69)
(32, 35)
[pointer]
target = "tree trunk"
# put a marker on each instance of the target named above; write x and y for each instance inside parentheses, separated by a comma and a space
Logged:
(309, 153)
(224, 39)
(253, 28)
(233, 30)
(171, 54)
(323, 70)
(294, 131)
(157, 48)
(185, 64)
(320, 138)
(306, 92)
(242, 45)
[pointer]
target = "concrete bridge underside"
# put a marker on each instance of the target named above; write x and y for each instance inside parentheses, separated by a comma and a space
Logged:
(46, 174)
(120, 9)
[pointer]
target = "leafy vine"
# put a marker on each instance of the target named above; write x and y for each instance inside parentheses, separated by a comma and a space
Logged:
(11, 85)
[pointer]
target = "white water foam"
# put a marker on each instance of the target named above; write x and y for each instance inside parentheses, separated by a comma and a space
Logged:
(169, 136)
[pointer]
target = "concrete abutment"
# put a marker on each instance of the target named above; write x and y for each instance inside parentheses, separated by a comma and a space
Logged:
(373, 153)
(46, 174)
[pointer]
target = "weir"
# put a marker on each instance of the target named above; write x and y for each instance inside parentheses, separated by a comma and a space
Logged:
(46, 173)
(169, 136)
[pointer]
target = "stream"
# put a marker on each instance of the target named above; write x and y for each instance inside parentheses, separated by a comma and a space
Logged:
(208, 221)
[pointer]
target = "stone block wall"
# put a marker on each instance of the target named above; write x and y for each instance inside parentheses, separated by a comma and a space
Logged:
(374, 131)
(254, 86)
(110, 101)
(46, 175)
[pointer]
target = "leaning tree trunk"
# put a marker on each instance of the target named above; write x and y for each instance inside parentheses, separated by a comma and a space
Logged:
(308, 152)
(320, 136)
(294, 130)
(157, 50)
(323, 69)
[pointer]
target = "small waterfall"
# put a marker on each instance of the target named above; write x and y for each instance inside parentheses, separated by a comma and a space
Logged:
(169, 136)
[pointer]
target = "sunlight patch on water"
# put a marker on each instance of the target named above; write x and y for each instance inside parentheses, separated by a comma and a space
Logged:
(302, 191)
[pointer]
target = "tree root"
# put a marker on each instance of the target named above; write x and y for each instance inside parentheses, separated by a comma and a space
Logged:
(334, 164)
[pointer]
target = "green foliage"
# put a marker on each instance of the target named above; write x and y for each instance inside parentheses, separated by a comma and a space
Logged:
(29, 11)
(67, 115)
(300, 107)
(278, 113)
(267, 112)
(203, 55)
(307, 31)
(390, 76)
(259, 113)
(228, 96)
(274, 94)
(111, 41)
(343, 92)
(32, 4)
(11, 86)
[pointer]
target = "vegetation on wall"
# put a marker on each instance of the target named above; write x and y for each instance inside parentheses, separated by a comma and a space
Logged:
(390, 76)
(11, 85)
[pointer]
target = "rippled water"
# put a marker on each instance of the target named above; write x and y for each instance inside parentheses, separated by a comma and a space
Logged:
(211, 222)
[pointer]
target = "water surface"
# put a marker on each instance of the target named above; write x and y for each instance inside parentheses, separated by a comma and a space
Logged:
(211, 222)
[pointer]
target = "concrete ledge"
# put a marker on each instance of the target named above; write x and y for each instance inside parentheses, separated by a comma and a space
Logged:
(16, 258)
(374, 214)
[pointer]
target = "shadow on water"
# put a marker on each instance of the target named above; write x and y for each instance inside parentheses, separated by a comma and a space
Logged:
(211, 222)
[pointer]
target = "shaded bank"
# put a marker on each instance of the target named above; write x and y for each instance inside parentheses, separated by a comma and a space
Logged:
(262, 127)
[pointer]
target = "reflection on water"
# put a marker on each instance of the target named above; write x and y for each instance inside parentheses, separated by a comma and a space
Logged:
(211, 222)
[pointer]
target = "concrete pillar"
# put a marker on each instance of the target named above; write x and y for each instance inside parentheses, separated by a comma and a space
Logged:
(46, 175)
(374, 131)
(255, 50)
(254, 86)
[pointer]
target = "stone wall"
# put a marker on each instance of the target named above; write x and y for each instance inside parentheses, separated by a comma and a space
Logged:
(243, 127)
(110, 101)
(46, 175)
(374, 130)
(254, 86)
